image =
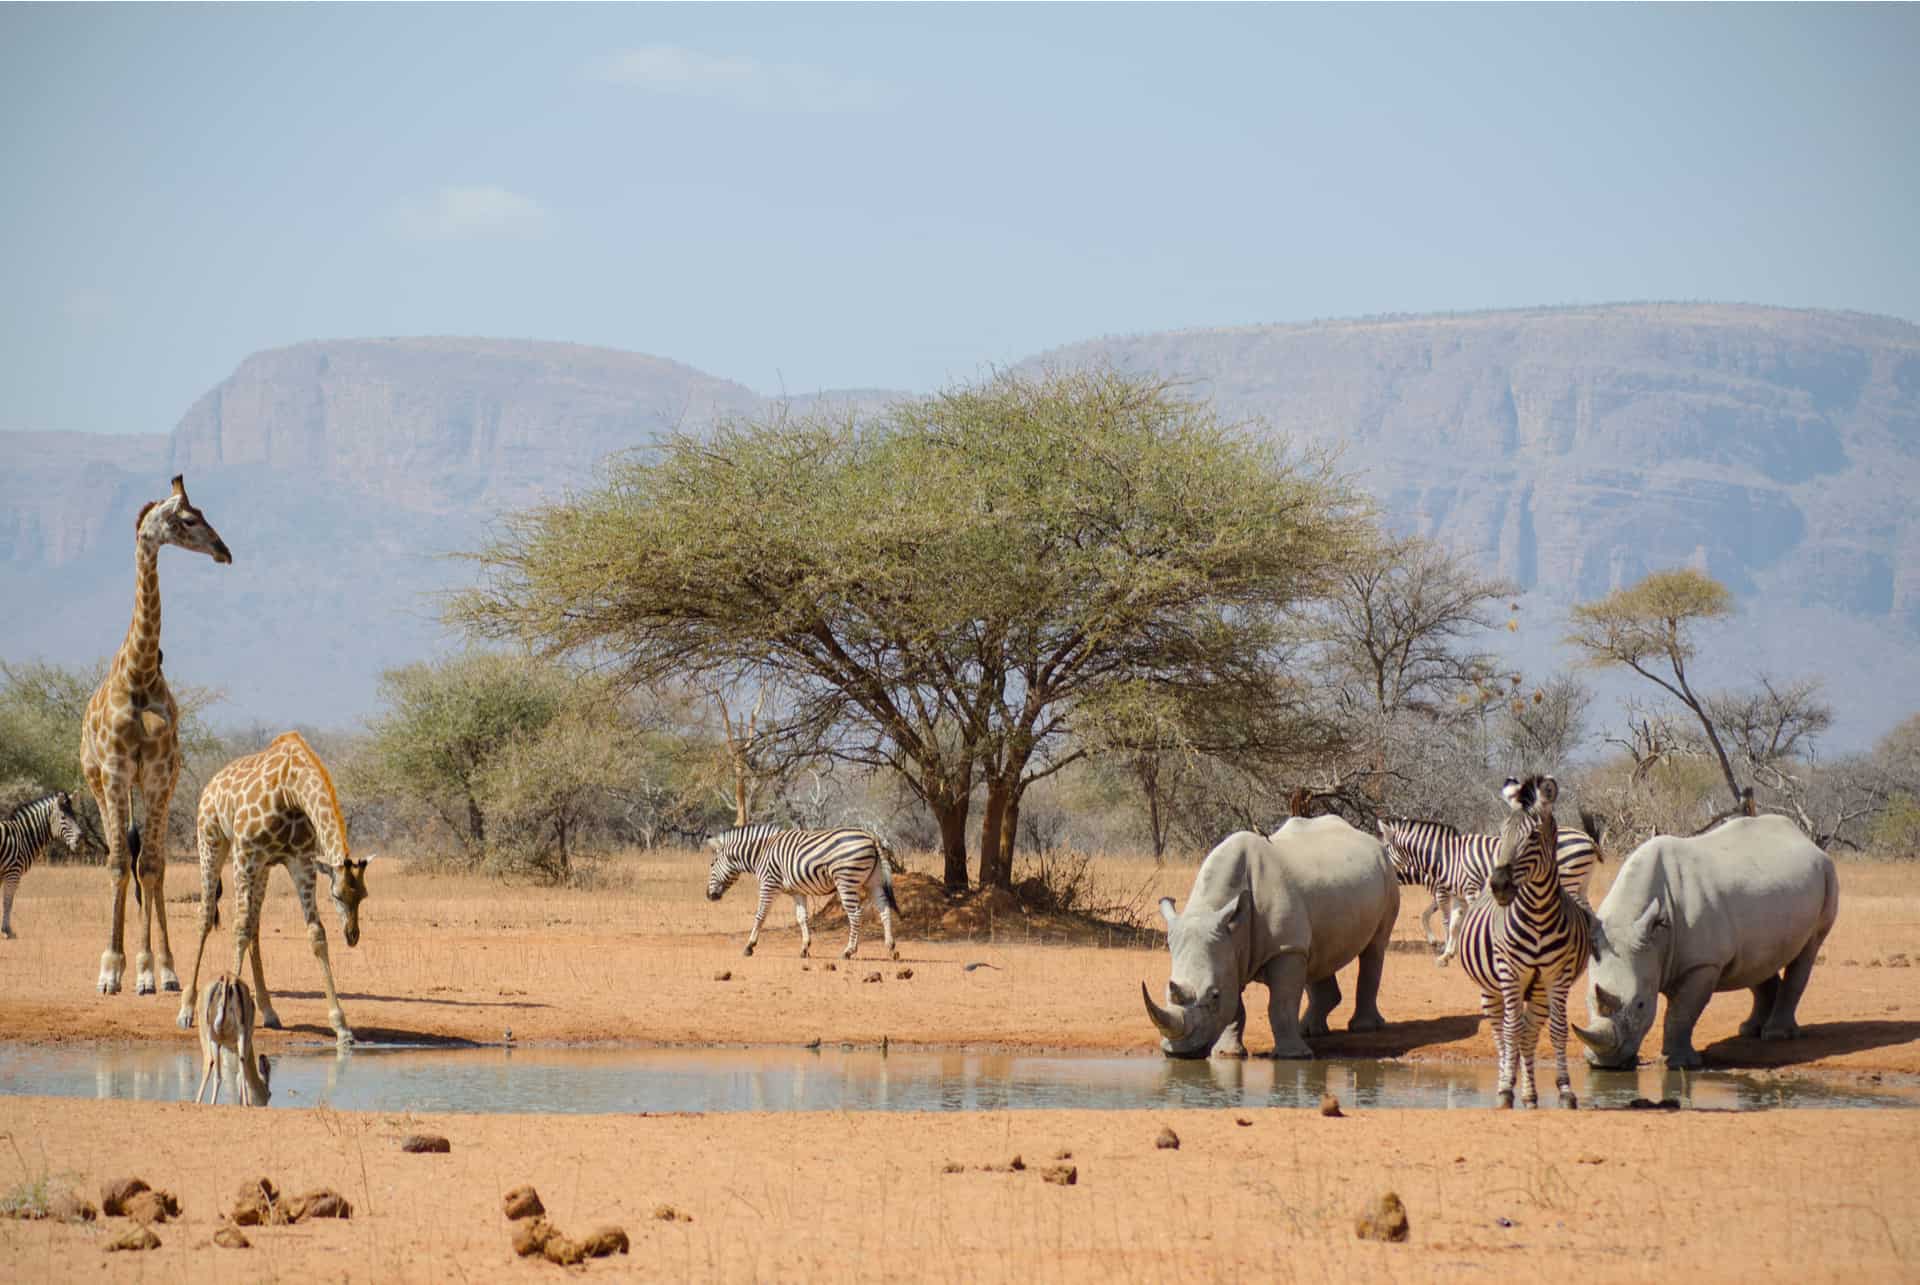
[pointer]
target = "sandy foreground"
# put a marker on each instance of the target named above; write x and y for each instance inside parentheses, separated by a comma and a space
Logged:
(1803, 1195)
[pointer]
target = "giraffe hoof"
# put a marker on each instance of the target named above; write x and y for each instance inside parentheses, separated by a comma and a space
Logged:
(144, 986)
(270, 1019)
(170, 984)
(748, 951)
(893, 951)
(184, 1018)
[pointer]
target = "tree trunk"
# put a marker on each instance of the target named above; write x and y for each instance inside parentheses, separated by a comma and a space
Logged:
(953, 842)
(476, 824)
(993, 874)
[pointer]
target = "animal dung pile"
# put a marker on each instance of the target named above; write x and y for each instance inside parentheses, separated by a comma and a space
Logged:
(1061, 1175)
(668, 1214)
(321, 1202)
(425, 1143)
(1384, 1218)
(1330, 1106)
(724, 975)
(872, 977)
(1243, 1122)
(133, 1198)
(534, 1236)
(904, 974)
(1168, 1140)
(258, 1204)
(231, 1237)
(63, 1206)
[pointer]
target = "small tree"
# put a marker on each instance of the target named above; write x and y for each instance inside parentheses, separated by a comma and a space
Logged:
(1652, 628)
(1542, 728)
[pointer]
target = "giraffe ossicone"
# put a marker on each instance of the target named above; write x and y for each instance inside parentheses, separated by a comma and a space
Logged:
(129, 740)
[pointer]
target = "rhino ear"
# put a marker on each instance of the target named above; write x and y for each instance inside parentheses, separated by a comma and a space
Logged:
(1652, 920)
(1240, 911)
(1167, 911)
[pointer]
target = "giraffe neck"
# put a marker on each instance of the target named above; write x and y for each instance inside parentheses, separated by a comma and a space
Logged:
(316, 798)
(140, 654)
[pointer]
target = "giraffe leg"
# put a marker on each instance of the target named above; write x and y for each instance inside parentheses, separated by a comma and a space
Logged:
(213, 850)
(116, 805)
(249, 894)
(268, 1018)
(302, 874)
(800, 917)
(153, 871)
(850, 902)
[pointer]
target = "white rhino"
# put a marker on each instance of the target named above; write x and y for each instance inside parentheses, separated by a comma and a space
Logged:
(1744, 906)
(1287, 911)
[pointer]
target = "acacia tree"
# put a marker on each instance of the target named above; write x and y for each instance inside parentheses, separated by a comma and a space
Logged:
(1652, 628)
(949, 587)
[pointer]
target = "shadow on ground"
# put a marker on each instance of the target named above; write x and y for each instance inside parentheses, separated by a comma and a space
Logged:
(1822, 1039)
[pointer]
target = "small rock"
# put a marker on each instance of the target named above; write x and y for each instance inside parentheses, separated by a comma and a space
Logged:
(530, 1236)
(1591, 1159)
(724, 975)
(524, 1202)
(1503, 1222)
(904, 974)
(1243, 1122)
(1875, 962)
(1060, 1175)
(1063, 1155)
(871, 977)
(420, 1143)
(830, 967)
(563, 1250)
(953, 1166)
(135, 1238)
(1385, 1219)
(231, 1237)
(806, 968)
(115, 1195)
(321, 1202)
(1167, 1140)
(1898, 961)
(1330, 1106)
(147, 1207)
(668, 1214)
(1459, 1160)
(605, 1241)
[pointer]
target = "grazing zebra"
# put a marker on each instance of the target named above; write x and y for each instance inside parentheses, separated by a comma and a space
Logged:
(1526, 944)
(1454, 867)
(24, 835)
(805, 863)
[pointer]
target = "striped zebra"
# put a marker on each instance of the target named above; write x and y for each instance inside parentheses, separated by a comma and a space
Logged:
(24, 835)
(1526, 944)
(804, 863)
(1454, 866)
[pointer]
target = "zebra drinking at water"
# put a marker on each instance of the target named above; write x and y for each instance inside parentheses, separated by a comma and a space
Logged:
(1454, 866)
(1526, 944)
(24, 835)
(805, 863)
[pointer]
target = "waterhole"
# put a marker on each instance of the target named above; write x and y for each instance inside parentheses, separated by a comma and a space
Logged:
(600, 1080)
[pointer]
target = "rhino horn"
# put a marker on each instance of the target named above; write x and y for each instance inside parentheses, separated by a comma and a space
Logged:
(1171, 1023)
(1601, 1042)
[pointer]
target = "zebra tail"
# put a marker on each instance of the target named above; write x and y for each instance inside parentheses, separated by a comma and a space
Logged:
(886, 890)
(133, 852)
(1594, 824)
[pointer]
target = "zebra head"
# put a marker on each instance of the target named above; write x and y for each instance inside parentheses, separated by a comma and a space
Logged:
(63, 823)
(1396, 833)
(1529, 839)
(730, 861)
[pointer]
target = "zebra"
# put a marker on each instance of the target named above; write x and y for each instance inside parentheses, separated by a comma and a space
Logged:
(806, 863)
(24, 835)
(1526, 943)
(1454, 866)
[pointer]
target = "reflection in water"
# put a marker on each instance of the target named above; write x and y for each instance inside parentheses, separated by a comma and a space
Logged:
(783, 1079)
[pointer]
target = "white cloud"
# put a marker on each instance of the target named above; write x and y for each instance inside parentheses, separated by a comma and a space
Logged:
(670, 69)
(459, 213)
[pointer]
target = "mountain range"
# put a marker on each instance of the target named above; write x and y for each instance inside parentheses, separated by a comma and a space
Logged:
(1568, 449)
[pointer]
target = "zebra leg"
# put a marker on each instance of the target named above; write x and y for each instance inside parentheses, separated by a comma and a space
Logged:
(880, 884)
(1763, 996)
(10, 882)
(1426, 917)
(1456, 911)
(800, 917)
(1532, 1011)
(1493, 1003)
(759, 916)
(1557, 1036)
(850, 902)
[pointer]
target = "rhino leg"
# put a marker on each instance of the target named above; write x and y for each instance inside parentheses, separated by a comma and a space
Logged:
(1764, 996)
(1366, 988)
(1232, 1041)
(1286, 979)
(1686, 1000)
(1323, 997)
(1780, 1024)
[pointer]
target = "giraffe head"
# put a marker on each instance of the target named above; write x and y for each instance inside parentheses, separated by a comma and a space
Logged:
(349, 880)
(176, 521)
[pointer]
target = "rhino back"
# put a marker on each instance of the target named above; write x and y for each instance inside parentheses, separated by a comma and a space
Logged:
(1745, 898)
(1344, 881)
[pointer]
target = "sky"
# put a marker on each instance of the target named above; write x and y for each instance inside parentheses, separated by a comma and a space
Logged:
(811, 197)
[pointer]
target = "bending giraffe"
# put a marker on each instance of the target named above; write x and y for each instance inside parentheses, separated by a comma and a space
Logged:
(129, 740)
(277, 807)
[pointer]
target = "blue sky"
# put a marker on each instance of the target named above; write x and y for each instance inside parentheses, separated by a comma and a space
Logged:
(814, 197)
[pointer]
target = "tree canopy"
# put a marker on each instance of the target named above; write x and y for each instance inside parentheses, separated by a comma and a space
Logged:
(952, 588)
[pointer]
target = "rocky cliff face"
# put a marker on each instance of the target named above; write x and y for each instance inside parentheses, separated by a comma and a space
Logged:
(1572, 450)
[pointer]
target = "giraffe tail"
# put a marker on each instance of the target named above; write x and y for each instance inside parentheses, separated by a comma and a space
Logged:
(219, 888)
(133, 856)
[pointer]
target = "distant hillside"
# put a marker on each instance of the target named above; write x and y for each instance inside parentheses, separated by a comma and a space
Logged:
(1571, 449)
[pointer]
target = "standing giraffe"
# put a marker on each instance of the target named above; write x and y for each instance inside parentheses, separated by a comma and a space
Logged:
(129, 740)
(277, 807)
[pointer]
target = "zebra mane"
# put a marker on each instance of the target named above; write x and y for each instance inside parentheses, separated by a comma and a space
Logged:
(21, 809)
(758, 830)
(1441, 826)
